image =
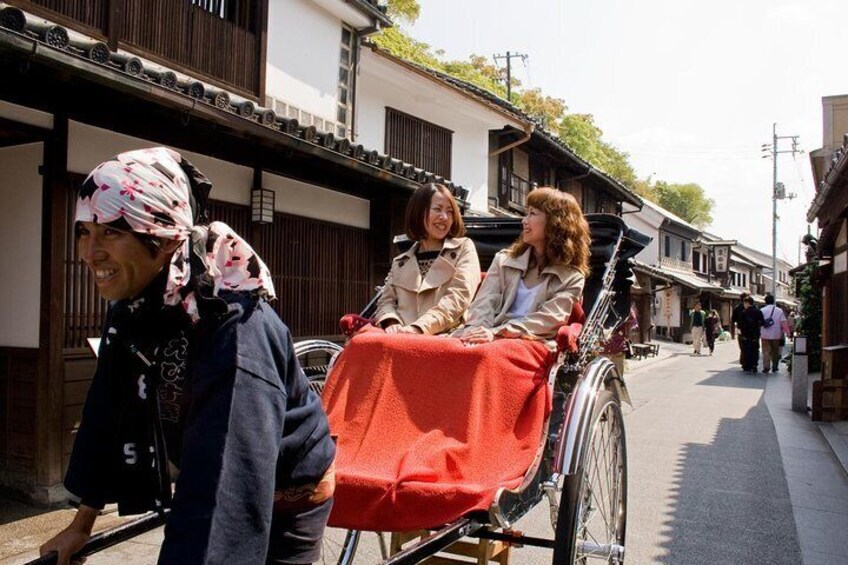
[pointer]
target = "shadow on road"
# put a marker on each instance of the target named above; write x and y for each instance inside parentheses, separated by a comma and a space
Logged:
(730, 503)
(735, 378)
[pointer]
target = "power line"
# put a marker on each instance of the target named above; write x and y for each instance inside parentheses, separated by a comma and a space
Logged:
(509, 57)
(778, 192)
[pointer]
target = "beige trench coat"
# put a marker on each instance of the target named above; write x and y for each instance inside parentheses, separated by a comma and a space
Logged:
(437, 302)
(562, 286)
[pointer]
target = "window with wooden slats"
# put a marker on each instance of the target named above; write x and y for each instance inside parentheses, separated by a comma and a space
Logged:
(418, 142)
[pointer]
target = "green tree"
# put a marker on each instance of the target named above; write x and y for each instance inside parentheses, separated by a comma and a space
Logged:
(689, 201)
(810, 324)
(406, 11)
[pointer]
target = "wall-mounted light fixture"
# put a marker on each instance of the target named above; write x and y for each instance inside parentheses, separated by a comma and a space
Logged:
(262, 206)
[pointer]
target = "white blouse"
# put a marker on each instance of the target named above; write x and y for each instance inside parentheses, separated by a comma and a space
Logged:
(523, 301)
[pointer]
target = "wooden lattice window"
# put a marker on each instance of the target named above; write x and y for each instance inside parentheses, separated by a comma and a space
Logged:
(418, 142)
(85, 310)
(320, 270)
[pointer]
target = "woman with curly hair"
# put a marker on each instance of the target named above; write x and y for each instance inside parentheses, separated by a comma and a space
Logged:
(531, 287)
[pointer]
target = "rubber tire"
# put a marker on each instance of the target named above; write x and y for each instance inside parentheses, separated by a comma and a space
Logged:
(565, 538)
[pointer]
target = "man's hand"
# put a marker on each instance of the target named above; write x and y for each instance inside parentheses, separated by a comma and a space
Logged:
(73, 538)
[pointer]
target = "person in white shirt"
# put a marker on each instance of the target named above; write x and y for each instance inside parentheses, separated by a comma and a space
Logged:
(772, 333)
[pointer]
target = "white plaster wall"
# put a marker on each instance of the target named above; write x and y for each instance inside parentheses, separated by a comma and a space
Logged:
(304, 44)
(642, 221)
(20, 228)
(301, 199)
(25, 115)
(88, 146)
(383, 83)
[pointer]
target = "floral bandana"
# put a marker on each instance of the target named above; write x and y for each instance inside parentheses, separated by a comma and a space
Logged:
(148, 191)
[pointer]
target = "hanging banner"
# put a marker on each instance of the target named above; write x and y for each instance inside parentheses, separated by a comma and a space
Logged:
(722, 258)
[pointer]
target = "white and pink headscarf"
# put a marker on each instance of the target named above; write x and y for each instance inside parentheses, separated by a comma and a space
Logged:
(149, 192)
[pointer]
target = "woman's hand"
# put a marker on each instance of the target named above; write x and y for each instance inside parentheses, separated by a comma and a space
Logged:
(508, 333)
(475, 335)
(394, 328)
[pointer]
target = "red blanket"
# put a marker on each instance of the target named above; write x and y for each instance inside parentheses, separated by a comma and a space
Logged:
(429, 429)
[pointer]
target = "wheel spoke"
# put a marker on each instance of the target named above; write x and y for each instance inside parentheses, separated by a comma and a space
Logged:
(600, 515)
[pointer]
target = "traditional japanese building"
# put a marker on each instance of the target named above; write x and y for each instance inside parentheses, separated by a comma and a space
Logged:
(230, 86)
(829, 254)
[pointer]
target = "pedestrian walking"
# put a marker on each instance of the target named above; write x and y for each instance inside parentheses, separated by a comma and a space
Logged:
(750, 322)
(735, 318)
(697, 319)
(792, 321)
(618, 347)
(712, 327)
(773, 334)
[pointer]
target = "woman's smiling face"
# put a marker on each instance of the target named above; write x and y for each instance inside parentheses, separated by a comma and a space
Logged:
(533, 224)
(439, 217)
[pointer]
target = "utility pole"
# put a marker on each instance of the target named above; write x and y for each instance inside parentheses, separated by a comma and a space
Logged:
(509, 56)
(778, 192)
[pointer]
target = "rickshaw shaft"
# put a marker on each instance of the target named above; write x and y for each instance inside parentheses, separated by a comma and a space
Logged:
(513, 538)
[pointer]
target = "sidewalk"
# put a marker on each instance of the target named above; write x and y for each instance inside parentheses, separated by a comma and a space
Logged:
(815, 474)
(668, 350)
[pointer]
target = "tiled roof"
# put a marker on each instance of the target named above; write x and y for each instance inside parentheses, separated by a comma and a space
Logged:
(490, 98)
(124, 65)
(836, 169)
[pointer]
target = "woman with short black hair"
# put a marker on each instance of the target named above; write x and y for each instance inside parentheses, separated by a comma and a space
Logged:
(430, 286)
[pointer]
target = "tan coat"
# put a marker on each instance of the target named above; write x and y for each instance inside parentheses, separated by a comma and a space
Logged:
(437, 302)
(562, 286)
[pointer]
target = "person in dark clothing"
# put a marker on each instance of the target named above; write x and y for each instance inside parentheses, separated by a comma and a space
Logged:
(734, 323)
(711, 328)
(194, 369)
(750, 322)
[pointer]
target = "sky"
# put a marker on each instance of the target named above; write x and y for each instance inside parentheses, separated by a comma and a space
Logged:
(689, 89)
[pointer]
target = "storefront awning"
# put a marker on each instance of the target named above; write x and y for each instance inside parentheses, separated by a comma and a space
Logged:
(789, 302)
(692, 281)
(689, 280)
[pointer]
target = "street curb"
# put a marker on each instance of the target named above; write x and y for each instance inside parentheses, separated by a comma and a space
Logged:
(837, 442)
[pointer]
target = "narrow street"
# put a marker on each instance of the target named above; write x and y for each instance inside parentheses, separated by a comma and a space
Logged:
(708, 482)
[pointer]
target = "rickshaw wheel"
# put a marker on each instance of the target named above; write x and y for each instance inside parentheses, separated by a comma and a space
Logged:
(593, 507)
(339, 546)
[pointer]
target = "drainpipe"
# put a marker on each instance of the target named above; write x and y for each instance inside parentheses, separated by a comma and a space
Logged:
(528, 132)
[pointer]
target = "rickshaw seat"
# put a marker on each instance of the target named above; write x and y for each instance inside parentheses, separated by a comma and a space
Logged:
(428, 429)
